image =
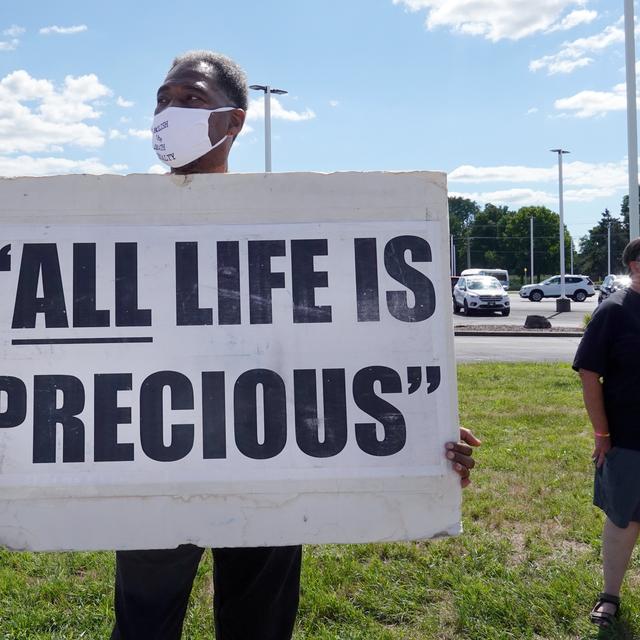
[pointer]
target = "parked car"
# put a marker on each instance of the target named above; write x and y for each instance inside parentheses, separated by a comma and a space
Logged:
(500, 274)
(612, 283)
(576, 286)
(480, 293)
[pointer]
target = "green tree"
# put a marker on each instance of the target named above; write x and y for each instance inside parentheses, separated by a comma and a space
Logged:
(462, 212)
(485, 236)
(546, 242)
(592, 259)
(624, 210)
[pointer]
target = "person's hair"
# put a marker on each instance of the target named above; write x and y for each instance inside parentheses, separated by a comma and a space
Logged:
(227, 74)
(631, 252)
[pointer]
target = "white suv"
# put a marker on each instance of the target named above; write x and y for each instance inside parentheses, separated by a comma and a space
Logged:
(577, 287)
(480, 293)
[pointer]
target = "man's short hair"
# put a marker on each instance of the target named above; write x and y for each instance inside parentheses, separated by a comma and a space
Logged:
(631, 252)
(228, 75)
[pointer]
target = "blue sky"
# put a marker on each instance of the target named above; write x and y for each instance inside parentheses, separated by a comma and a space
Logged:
(481, 89)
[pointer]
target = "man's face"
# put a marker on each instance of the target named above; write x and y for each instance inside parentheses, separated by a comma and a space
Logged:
(193, 86)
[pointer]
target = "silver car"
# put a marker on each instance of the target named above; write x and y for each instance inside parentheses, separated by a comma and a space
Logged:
(578, 287)
(480, 293)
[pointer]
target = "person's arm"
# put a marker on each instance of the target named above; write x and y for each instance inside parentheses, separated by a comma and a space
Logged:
(594, 404)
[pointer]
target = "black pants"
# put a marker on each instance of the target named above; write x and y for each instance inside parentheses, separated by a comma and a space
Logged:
(256, 592)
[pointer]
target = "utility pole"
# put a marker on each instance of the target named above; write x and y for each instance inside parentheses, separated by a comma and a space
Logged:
(452, 254)
(531, 249)
(609, 248)
(571, 256)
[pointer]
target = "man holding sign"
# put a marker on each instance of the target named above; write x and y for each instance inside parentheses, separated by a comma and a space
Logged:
(201, 108)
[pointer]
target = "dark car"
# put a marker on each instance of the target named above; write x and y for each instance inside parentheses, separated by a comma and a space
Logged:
(611, 284)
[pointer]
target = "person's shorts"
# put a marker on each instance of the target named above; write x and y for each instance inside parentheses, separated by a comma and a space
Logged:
(617, 486)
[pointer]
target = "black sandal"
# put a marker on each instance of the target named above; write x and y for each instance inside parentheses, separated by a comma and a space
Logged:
(605, 618)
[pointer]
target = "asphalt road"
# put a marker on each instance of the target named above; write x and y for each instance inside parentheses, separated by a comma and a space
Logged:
(522, 307)
(513, 349)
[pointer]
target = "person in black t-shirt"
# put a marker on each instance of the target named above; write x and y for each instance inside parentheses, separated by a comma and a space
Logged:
(608, 360)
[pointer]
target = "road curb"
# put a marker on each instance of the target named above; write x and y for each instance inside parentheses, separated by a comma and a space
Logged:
(522, 334)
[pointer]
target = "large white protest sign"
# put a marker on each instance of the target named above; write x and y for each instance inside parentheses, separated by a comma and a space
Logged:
(228, 360)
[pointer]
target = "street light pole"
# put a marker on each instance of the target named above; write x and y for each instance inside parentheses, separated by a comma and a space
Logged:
(267, 129)
(632, 119)
(267, 120)
(562, 303)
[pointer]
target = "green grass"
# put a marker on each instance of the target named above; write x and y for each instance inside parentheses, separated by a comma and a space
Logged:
(527, 565)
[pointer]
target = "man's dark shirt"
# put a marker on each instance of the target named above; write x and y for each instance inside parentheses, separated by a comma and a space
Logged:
(611, 347)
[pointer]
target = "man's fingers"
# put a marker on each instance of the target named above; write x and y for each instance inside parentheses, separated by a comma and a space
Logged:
(467, 436)
(459, 460)
(459, 447)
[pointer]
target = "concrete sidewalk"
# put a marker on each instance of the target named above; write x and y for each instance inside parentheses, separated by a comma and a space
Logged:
(517, 332)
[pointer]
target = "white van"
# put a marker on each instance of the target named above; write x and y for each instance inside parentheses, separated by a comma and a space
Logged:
(500, 274)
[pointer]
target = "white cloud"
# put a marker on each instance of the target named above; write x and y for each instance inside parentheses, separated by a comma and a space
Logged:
(333, 103)
(559, 64)
(114, 134)
(142, 134)
(586, 104)
(496, 19)
(121, 102)
(56, 118)
(14, 31)
(278, 112)
(30, 166)
(610, 175)
(124, 120)
(79, 28)
(510, 197)
(532, 111)
(584, 182)
(505, 173)
(527, 197)
(158, 169)
(9, 45)
(573, 19)
(575, 54)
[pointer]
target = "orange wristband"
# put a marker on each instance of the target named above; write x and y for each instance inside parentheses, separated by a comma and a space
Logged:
(601, 435)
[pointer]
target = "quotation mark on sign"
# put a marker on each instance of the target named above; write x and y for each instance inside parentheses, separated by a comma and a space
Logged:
(5, 258)
(414, 377)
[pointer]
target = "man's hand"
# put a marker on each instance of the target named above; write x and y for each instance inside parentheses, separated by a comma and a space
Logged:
(460, 455)
(600, 449)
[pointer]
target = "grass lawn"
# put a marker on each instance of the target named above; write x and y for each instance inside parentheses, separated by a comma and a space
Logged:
(527, 565)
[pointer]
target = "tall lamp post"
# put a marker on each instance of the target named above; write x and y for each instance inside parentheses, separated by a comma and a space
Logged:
(267, 90)
(562, 303)
(632, 119)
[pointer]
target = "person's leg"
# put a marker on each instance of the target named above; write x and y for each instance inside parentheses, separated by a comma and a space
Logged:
(256, 592)
(152, 592)
(617, 547)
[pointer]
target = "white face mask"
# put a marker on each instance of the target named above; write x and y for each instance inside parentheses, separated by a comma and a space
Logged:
(181, 135)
